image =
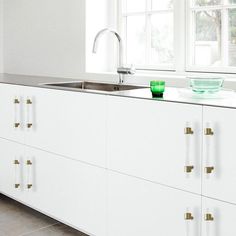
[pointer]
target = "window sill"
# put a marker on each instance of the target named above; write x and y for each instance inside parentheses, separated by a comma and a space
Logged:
(173, 79)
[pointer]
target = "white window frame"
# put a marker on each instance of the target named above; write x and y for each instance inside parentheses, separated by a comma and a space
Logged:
(147, 12)
(189, 49)
(182, 38)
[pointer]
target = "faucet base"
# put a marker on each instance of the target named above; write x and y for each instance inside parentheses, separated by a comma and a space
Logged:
(121, 78)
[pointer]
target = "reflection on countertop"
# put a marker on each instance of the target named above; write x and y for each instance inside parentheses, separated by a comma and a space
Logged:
(225, 98)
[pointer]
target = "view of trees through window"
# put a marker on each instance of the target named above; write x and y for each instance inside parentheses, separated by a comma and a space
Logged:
(214, 30)
(232, 37)
(148, 29)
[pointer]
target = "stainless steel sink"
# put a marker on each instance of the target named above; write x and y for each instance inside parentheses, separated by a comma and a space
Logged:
(95, 86)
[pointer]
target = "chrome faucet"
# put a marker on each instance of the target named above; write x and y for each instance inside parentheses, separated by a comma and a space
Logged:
(121, 70)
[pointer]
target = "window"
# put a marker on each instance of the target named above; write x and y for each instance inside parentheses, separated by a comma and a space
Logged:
(148, 32)
(212, 35)
(152, 29)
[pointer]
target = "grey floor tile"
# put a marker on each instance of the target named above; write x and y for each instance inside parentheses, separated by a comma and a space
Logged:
(17, 219)
(57, 230)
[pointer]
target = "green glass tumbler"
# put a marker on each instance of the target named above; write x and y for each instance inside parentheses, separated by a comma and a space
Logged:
(157, 88)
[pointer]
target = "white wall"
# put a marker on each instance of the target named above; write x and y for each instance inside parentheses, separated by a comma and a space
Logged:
(98, 16)
(55, 37)
(1, 36)
(44, 37)
(48, 37)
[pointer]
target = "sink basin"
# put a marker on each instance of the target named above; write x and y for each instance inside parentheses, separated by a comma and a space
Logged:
(95, 86)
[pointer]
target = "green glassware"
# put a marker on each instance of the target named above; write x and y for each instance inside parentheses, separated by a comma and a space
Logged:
(157, 88)
(206, 84)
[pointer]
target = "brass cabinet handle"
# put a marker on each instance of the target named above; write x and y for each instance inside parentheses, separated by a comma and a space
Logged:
(188, 130)
(29, 125)
(29, 162)
(17, 185)
(29, 186)
(16, 101)
(208, 132)
(188, 169)
(29, 102)
(209, 170)
(16, 162)
(208, 217)
(17, 125)
(188, 216)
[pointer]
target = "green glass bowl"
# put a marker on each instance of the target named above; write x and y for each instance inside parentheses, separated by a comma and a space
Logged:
(206, 85)
(157, 88)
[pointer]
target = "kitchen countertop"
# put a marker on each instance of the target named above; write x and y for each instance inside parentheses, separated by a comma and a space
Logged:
(225, 99)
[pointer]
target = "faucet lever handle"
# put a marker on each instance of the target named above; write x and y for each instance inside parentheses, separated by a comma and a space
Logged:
(126, 70)
(132, 69)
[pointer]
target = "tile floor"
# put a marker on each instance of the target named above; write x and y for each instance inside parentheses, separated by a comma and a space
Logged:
(19, 220)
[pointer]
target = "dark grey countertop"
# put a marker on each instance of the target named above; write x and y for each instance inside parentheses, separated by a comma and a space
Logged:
(225, 98)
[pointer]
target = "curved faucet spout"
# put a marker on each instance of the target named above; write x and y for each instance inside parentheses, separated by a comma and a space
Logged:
(121, 70)
(121, 50)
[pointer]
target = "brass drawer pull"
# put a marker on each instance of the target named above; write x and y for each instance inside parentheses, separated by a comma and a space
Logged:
(17, 112)
(29, 125)
(29, 162)
(209, 217)
(16, 101)
(16, 162)
(188, 130)
(29, 186)
(29, 102)
(17, 185)
(209, 170)
(209, 132)
(188, 169)
(17, 125)
(29, 113)
(188, 216)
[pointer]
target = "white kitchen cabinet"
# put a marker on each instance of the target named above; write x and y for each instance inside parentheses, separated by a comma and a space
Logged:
(12, 167)
(71, 191)
(218, 218)
(219, 152)
(67, 123)
(138, 207)
(147, 139)
(11, 113)
(112, 166)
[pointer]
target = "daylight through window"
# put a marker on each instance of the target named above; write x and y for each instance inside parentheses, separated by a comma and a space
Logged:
(149, 29)
(148, 32)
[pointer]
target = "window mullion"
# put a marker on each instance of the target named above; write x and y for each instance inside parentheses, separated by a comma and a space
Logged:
(225, 38)
(225, 28)
(125, 40)
(179, 35)
(148, 31)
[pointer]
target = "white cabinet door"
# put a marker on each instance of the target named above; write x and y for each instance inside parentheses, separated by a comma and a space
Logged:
(219, 153)
(147, 139)
(68, 190)
(11, 113)
(12, 170)
(137, 208)
(218, 218)
(67, 123)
